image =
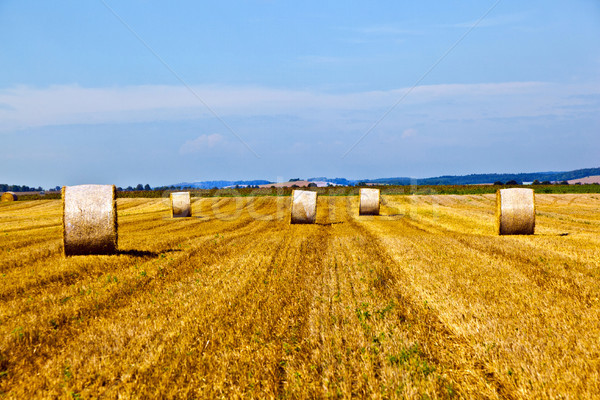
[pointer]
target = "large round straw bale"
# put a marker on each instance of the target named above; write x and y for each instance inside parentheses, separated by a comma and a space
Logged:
(369, 202)
(9, 196)
(515, 211)
(181, 205)
(89, 219)
(304, 207)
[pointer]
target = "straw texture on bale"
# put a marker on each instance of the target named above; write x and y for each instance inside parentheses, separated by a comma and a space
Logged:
(181, 205)
(515, 211)
(89, 219)
(9, 196)
(304, 207)
(369, 202)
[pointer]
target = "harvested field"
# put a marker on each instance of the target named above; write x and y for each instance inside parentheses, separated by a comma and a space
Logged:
(587, 180)
(425, 299)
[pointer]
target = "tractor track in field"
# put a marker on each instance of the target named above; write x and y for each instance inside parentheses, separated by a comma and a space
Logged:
(270, 304)
(428, 318)
(225, 313)
(64, 323)
(70, 275)
(528, 262)
(237, 303)
(28, 258)
(33, 229)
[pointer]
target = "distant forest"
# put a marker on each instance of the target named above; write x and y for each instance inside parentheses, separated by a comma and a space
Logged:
(17, 188)
(475, 179)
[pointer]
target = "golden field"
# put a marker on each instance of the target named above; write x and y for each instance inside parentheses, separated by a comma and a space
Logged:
(424, 301)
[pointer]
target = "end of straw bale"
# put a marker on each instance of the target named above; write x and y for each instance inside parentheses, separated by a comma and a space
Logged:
(181, 205)
(89, 219)
(369, 201)
(8, 196)
(304, 207)
(515, 211)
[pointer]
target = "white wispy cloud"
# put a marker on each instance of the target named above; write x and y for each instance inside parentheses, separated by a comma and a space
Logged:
(25, 107)
(409, 133)
(492, 21)
(317, 59)
(387, 30)
(201, 143)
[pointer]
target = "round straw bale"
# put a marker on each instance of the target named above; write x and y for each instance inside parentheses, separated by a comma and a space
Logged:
(89, 219)
(304, 207)
(515, 211)
(9, 196)
(180, 204)
(369, 202)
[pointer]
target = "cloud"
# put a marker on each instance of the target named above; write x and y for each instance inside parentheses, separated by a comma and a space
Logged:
(380, 33)
(410, 132)
(27, 107)
(387, 30)
(317, 60)
(201, 143)
(493, 21)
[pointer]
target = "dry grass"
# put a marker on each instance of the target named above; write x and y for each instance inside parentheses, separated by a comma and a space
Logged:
(423, 300)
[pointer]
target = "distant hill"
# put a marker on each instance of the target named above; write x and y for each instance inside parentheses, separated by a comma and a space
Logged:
(219, 184)
(337, 181)
(595, 179)
(299, 183)
(473, 179)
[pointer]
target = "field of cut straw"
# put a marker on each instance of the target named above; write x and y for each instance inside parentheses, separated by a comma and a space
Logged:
(423, 301)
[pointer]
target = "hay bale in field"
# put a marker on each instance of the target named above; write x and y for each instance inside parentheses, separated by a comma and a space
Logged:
(181, 205)
(515, 211)
(304, 207)
(89, 219)
(9, 196)
(369, 202)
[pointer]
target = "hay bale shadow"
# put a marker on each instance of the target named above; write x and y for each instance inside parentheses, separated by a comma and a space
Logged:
(329, 223)
(205, 218)
(144, 253)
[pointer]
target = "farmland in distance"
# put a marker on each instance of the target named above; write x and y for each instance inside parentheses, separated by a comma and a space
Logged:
(423, 300)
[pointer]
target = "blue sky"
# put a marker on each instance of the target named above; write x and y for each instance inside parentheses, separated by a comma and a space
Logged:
(154, 92)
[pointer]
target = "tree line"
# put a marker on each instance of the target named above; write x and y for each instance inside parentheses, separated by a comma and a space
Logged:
(24, 188)
(18, 188)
